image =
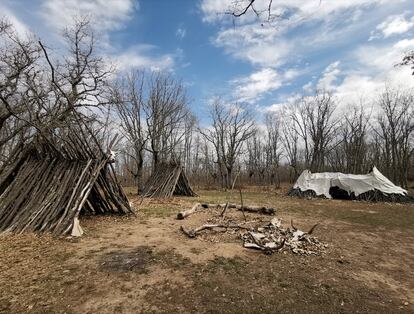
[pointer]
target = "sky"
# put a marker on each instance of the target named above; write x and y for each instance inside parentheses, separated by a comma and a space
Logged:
(348, 47)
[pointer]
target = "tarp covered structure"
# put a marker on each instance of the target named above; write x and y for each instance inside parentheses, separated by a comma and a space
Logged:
(373, 186)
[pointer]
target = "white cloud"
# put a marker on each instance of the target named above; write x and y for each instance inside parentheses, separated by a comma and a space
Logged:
(21, 28)
(394, 24)
(274, 107)
(144, 57)
(358, 88)
(372, 70)
(296, 10)
(376, 70)
(106, 15)
(329, 77)
(308, 87)
(259, 46)
(404, 44)
(382, 58)
(219, 10)
(308, 27)
(312, 32)
(180, 32)
(213, 9)
(257, 84)
(280, 106)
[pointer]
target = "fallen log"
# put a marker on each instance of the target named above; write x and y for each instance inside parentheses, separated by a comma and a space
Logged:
(192, 233)
(252, 209)
(258, 209)
(186, 213)
(207, 205)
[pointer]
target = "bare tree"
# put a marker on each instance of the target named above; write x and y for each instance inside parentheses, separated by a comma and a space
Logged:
(4, 25)
(231, 127)
(408, 60)
(81, 79)
(290, 140)
(300, 126)
(261, 9)
(42, 96)
(186, 155)
(265, 11)
(354, 141)
(166, 110)
(256, 162)
(273, 145)
(322, 128)
(396, 129)
(128, 97)
(315, 125)
(19, 69)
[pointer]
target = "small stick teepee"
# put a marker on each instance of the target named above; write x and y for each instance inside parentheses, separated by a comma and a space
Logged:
(167, 180)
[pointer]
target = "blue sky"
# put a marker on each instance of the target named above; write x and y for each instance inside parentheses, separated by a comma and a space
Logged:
(346, 46)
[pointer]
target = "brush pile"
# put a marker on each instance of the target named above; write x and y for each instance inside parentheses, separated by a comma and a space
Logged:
(272, 237)
(256, 232)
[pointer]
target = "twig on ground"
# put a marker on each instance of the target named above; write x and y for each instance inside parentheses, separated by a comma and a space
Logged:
(223, 212)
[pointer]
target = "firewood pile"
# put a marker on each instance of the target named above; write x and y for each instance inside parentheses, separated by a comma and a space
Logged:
(254, 229)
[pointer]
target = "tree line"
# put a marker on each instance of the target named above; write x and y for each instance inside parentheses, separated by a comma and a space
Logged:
(42, 92)
(314, 132)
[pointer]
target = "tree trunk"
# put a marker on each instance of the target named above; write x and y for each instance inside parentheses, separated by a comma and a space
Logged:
(140, 182)
(228, 178)
(156, 159)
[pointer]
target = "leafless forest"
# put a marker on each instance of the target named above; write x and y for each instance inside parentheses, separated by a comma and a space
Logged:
(41, 89)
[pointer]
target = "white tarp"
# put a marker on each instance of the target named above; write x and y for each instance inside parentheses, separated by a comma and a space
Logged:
(356, 183)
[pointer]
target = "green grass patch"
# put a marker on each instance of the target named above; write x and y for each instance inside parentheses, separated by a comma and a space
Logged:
(387, 215)
(158, 211)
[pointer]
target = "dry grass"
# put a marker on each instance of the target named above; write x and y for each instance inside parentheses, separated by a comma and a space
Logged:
(145, 264)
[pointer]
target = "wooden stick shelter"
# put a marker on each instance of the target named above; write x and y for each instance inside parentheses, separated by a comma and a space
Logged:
(167, 180)
(53, 181)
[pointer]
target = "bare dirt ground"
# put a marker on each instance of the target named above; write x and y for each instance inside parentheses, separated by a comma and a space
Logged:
(144, 264)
